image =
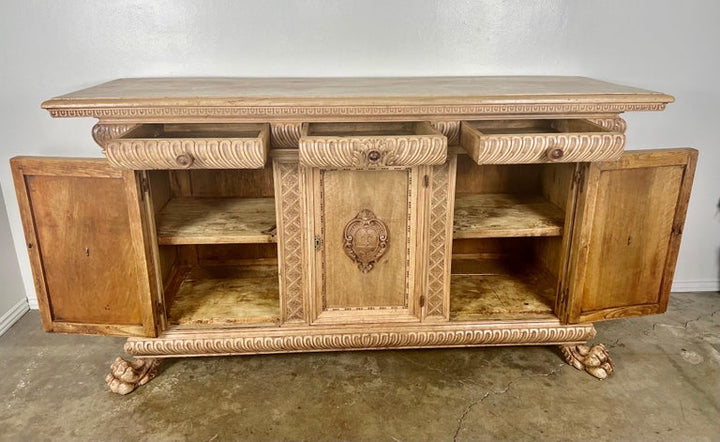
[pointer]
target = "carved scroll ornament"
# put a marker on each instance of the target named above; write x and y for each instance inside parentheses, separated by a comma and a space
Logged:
(365, 240)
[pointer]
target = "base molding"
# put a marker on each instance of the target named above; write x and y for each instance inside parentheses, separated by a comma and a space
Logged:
(701, 285)
(220, 342)
(13, 315)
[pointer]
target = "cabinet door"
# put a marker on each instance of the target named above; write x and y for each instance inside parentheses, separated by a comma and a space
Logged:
(362, 251)
(629, 219)
(87, 244)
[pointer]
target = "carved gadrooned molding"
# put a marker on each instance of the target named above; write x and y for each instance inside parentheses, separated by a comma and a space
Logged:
(197, 153)
(615, 124)
(365, 240)
(285, 135)
(372, 152)
(294, 113)
(508, 149)
(314, 339)
(102, 133)
(451, 130)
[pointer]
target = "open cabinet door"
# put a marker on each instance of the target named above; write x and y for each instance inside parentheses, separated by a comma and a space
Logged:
(84, 226)
(628, 224)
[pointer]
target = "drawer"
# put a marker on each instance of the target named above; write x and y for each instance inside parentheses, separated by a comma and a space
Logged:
(190, 146)
(371, 145)
(539, 141)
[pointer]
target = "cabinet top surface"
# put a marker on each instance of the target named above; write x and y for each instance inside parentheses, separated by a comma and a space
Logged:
(106, 99)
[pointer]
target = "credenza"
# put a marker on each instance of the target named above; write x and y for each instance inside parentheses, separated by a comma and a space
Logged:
(234, 216)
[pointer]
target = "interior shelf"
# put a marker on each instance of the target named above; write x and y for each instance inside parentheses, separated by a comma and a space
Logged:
(226, 295)
(217, 221)
(501, 215)
(491, 288)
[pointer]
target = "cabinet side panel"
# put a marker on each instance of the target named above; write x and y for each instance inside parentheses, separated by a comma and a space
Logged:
(88, 259)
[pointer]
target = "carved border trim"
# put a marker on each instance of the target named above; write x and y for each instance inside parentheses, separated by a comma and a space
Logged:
(319, 339)
(290, 238)
(438, 239)
(286, 135)
(102, 133)
(349, 111)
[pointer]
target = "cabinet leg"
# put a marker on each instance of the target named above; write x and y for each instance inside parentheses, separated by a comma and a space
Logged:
(594, 360)
(125, 376)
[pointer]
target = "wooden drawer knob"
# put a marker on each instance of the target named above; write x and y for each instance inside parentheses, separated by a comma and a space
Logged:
(184, 160)
(374, 156)
(554, 153)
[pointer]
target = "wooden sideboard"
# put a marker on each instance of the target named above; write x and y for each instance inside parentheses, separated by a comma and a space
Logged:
(248, 215)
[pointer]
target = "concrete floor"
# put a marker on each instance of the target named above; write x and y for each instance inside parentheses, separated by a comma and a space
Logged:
(666, 386)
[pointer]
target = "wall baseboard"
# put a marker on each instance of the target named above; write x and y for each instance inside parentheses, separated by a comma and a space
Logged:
(703, 285)
(33, 304)
(16, 312)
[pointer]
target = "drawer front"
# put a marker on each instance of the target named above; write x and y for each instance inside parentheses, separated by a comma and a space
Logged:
(539, 141)
(188, 149)
(371, 145)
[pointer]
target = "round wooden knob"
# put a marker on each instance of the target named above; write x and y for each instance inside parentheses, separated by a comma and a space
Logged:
(374, 155)
(184, 160)
(555, 153)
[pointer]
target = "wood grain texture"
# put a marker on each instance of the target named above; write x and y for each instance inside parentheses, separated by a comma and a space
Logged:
(370, 146)
(539, 141)
(158, 147)
(226, 296)
(217, 221)
(624, 250)
(389, 195)
(253, 99)
(506, 215)
(85, 264)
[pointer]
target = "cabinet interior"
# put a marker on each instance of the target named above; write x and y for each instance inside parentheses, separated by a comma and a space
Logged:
(216, 231)
(508, 229)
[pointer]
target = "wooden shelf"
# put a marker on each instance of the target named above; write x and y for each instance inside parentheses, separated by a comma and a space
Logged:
(485, 289)
(506, 215)
(217, 221)
(226, 295)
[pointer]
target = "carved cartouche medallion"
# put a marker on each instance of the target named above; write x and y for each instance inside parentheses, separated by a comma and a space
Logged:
(365, 239)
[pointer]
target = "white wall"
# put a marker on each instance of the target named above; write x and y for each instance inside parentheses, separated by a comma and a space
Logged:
(13, 303)
(48, 48)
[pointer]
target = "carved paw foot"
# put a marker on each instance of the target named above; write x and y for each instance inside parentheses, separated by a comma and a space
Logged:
(595, 360)
(126, 376)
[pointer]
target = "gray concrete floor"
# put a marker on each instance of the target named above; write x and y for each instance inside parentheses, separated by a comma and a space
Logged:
(666, 386)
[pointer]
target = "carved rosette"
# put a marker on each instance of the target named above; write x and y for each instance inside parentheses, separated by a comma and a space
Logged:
(317, 339)
(595, 360)
(365, 240)
(372, 152)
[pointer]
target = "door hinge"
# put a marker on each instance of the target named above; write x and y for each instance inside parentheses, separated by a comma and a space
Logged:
(580, 178)
(144, 186)
(422, 301)
(426, 181)
(318, 243)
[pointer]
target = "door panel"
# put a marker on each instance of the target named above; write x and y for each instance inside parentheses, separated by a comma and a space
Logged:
(363, 259)
(85, 239)
(627, 234)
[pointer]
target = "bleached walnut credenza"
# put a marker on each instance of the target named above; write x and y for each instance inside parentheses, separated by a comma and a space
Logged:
(246, 215)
